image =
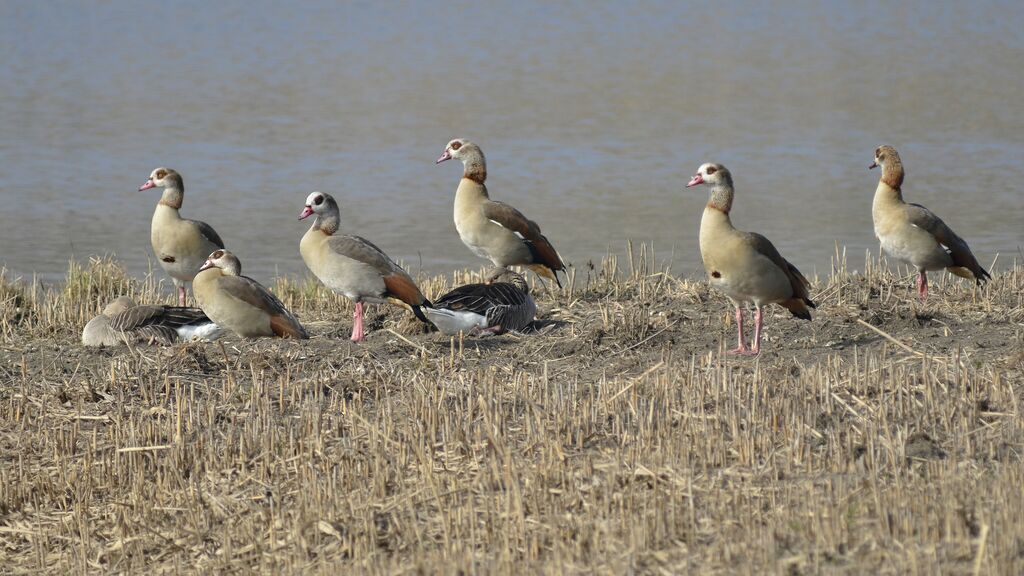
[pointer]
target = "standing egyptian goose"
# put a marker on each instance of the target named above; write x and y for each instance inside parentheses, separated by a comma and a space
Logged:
(181, 245)
(502, 302)
(122, 321)
(241, 303)
(744, 265)
(353, 266)
(494, 230)
(912, 233)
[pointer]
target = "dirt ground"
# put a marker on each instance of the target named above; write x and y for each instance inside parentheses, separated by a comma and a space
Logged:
(884, 436)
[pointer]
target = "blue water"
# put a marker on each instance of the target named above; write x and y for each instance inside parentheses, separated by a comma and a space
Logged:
(593, 117)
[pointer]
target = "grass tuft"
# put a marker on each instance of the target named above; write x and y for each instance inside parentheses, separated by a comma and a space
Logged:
(884, 436)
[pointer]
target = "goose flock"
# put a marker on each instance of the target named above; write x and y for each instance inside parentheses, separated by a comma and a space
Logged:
(745, 266)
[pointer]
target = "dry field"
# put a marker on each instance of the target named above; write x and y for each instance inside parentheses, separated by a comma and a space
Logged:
(883, 437)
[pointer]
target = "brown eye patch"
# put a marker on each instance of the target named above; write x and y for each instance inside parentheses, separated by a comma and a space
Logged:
(712, 170)
(217, 254)
(456, 145)
(160, 174)
(318, 200)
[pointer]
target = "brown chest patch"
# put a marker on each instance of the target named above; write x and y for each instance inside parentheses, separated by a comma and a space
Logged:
(168, 259)
(716, 274)
(478, 176)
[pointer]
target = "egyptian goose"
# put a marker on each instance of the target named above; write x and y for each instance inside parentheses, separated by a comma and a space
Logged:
(502, 302)
(122, 321)
(181, 245)
(494, 230)
(744, 265)
(912, 233)
(241, 303)
(353, 266)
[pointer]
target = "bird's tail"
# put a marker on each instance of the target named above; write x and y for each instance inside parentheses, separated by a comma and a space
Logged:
(980, 276)
(544, 271)
(418, 311)
(799, 307)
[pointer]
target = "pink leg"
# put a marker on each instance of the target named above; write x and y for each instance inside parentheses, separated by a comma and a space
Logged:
(181, 295)
(922, 285)
(357, 324)
(758, 322)
(741, 348)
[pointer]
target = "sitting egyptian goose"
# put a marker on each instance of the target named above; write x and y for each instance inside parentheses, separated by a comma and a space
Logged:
(122, 321)
(502, 302)
(241, 303)
(353, 266)
(912, 233)
(181, 245)
(744, 265)
(494, 230)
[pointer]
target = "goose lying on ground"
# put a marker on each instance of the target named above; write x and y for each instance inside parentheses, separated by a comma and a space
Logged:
(241, 303)
(502, 302)
(122, 321)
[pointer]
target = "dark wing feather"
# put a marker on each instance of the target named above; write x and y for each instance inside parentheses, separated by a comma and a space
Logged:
(479, 298)
(155, 315)
(796, 279)
(541, 249)
(957, 248)
(208, 231)
(154, 333)
(513, 317)
(253, 293)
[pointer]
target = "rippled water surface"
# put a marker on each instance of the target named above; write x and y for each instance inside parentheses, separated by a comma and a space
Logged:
(592, 116)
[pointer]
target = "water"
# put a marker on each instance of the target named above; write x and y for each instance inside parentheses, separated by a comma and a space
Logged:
(593, 117)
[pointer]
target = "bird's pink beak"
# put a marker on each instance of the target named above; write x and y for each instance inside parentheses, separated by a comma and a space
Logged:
(446, 156)
(697, 179)
(873, 165)
(149, 184)
(208, 264)
(306, 212)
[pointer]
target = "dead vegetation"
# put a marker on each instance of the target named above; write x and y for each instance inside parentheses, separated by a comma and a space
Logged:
(884, 436)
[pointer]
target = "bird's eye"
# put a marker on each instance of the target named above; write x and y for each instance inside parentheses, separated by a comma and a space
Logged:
(877, 150)
(712, 170)
(217, 254)
(318, 200)
(456, 145)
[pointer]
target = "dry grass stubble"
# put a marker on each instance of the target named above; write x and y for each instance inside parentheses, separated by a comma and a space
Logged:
(616, 438)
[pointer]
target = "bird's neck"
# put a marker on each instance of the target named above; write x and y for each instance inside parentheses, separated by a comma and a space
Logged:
(886, 194)
(720, 199)
(892, 175)
(470, 191)
(173, 196)
(327, 223)
(475, 168)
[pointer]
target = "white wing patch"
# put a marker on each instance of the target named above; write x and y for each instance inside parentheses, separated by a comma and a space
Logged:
(518, 235)
(208, 331)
